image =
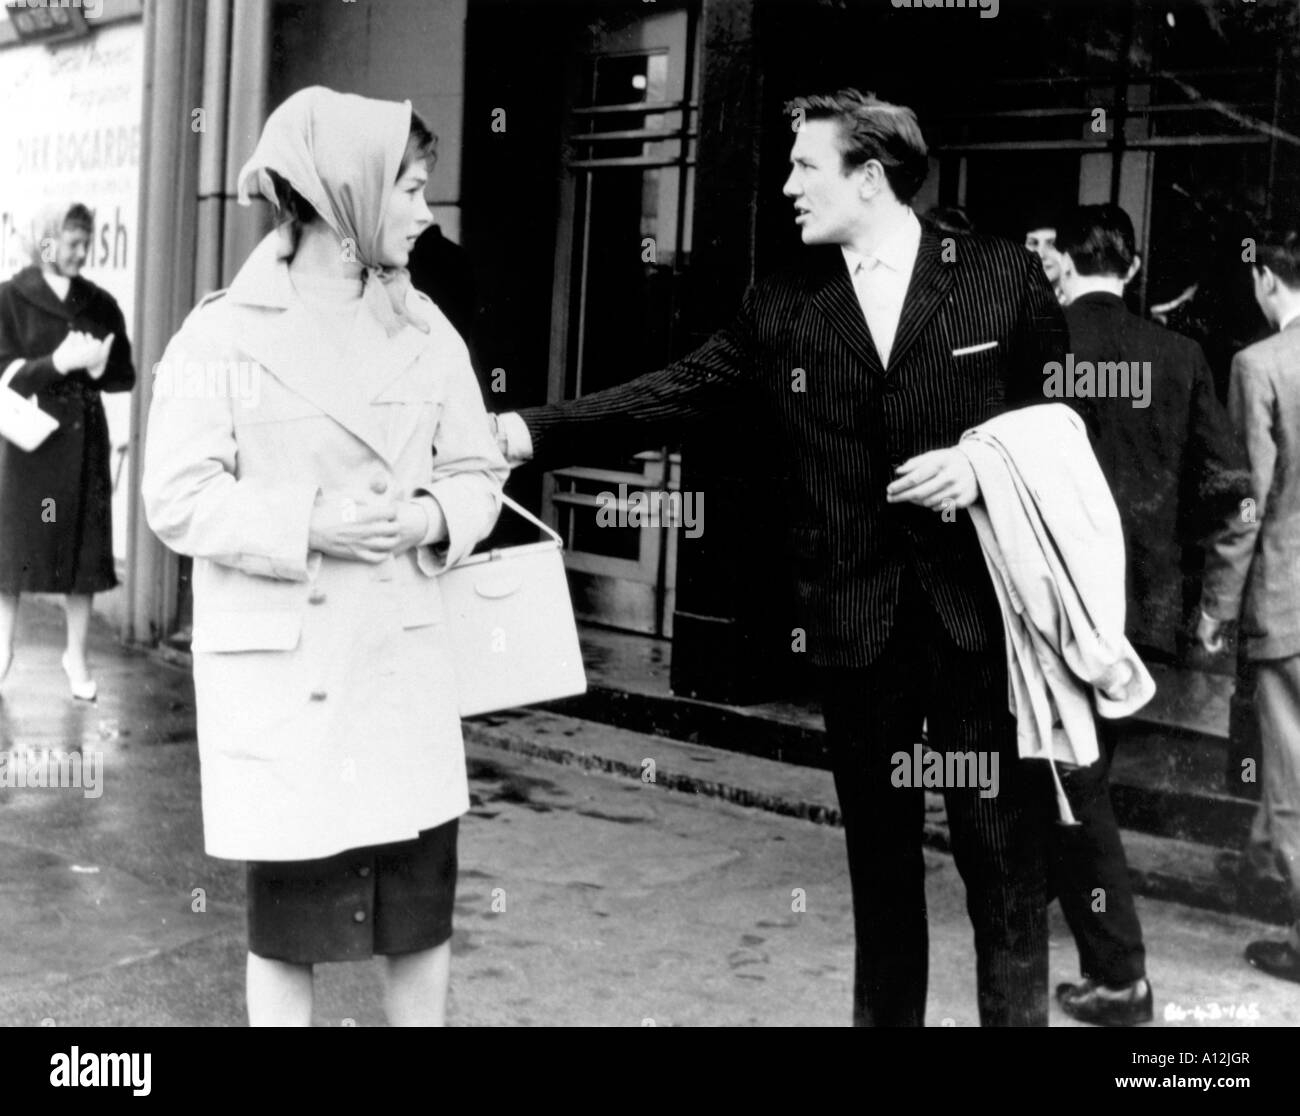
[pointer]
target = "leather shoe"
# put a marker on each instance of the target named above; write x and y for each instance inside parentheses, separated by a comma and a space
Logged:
(1277, 959)
(1091, 1002)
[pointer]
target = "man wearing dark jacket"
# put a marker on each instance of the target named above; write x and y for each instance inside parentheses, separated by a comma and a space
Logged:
(1166, 447)
(873, 355)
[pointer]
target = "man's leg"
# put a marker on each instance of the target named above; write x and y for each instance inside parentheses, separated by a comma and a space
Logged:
(1091, 874)
(870, 714)
(1278, 705)
(998, 838)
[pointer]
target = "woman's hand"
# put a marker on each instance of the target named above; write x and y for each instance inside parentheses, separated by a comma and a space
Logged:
(362, 532)
(96, 369)
(413, 525)
(78, 350)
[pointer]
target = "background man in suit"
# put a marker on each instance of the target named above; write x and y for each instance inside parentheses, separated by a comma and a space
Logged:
(1169, 454)
(905, 339)
(1264, 402)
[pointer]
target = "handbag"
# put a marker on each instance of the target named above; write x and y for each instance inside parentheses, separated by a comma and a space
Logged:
(511, 625)
(21, 420)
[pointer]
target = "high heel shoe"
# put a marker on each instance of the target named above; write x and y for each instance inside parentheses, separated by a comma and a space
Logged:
(82, 691)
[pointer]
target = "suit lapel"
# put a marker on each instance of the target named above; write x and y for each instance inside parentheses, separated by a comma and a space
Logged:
(835, 298)
(931, 281)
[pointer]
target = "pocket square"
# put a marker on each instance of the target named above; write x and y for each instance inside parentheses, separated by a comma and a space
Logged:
(975, 348)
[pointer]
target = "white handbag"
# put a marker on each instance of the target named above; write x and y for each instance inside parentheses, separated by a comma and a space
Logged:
(21, 420)
(511, 625)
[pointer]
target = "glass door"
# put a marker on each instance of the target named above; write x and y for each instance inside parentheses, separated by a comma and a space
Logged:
(624, 239)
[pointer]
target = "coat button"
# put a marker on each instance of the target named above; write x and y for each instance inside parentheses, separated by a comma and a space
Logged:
(363, 871)
(316, 596)
(379, 486)
(318, 695)
(358, 916)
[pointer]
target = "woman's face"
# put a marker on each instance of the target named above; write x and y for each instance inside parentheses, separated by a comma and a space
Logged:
(66, 255)
(406, 217)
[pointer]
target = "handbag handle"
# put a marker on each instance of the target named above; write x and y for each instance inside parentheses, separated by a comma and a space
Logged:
(520, 510)
(11, 371)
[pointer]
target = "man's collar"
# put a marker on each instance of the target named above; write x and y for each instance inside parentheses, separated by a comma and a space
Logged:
(1289, 321)
(897, 250)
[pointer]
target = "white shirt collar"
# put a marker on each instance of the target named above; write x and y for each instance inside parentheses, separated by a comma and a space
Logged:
(898, 250)
(1287, 321)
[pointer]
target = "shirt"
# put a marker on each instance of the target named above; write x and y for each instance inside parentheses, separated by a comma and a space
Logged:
(880, 280)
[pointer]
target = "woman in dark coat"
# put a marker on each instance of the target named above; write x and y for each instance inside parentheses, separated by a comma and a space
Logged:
(68, 340)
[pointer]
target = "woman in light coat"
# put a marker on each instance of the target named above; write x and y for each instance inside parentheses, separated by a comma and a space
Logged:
(318, 443)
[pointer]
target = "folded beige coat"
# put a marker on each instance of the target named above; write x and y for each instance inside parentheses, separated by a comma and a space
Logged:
(1051, 536)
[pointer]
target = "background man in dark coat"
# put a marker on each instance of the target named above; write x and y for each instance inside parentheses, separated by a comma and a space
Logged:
(55, 502)
(904, 340)
(1167, 449)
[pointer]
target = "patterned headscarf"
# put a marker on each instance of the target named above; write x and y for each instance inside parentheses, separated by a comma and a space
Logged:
(342, 153)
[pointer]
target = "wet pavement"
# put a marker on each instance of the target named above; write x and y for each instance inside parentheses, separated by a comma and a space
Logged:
(586, 896)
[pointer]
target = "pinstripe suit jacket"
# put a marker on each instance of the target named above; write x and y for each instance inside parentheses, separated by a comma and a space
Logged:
(848, 422)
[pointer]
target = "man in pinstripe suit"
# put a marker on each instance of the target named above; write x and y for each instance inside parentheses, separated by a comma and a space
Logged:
(873, 355)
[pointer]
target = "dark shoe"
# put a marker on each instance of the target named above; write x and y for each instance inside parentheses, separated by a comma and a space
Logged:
(1090, 1002)
(1275, 958)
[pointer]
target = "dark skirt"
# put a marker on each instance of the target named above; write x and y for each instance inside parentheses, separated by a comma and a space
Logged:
(385, 899)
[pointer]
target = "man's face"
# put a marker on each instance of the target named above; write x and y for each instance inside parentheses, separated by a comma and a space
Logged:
(1042, 242)
(826, 200)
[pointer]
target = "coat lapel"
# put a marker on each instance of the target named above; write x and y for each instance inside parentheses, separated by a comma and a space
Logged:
(835, 298)
(286, 341)
(931, 281)
(32, 286)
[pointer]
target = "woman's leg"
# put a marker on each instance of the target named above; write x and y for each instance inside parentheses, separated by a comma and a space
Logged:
(8, 625)
(77, 607)
(415, 987)
(279, 993)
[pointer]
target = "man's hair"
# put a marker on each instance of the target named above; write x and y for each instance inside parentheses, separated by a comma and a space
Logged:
(872, 129)
(1280, 253)
(1098, 238)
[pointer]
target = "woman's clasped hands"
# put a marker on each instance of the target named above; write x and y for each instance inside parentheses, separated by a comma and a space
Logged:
(81, 350)
(365, 528)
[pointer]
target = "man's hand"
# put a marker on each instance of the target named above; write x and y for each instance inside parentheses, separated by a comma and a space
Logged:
(935, 478)
(1209, 633)
(512, 437)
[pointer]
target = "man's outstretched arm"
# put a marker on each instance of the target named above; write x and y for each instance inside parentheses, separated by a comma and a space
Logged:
(639, 414)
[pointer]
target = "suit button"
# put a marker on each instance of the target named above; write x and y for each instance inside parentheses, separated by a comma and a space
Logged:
(379, 486)
(318, 695)
(358, 916)
(316, 596)
(363, 871)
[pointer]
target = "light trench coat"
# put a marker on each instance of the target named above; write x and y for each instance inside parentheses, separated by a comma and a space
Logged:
(325, 687)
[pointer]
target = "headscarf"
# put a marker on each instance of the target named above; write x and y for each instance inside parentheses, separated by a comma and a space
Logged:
(342, 153)
(44, 223)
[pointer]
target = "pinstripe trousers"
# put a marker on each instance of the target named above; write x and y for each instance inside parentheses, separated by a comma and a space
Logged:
(998, 842)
